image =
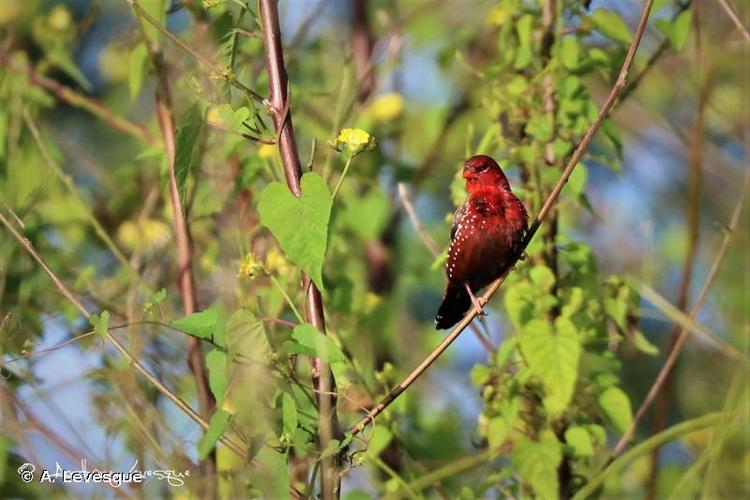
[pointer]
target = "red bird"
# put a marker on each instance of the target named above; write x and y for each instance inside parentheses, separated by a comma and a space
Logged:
(486, 238)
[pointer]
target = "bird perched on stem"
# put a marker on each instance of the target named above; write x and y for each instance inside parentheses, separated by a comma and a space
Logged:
(486, 237)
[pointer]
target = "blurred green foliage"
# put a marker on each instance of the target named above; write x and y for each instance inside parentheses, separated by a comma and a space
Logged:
(574, 347)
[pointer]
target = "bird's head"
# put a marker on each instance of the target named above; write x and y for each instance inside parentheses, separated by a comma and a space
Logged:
(482, 172)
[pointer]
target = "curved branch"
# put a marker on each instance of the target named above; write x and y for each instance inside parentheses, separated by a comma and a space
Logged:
(546, 208)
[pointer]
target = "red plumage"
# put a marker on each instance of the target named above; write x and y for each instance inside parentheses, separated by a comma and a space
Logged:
(486, 235)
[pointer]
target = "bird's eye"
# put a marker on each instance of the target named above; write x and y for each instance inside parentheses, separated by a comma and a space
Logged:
(483, 168)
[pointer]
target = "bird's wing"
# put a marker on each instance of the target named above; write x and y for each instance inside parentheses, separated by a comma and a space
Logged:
(458, 218)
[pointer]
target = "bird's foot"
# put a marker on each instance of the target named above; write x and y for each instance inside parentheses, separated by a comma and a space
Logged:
(478, 302)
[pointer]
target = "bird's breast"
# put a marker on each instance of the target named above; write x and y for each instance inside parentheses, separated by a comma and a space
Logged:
(481, 248)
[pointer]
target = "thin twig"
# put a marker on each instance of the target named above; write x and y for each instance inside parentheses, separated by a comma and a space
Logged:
(546, 208)
(412, 214)
(735, 19)
(674, 354)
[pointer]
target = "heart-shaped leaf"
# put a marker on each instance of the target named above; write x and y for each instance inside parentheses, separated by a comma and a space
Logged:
(299, 224)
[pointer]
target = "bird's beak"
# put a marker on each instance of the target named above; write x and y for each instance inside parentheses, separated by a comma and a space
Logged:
(467, 174)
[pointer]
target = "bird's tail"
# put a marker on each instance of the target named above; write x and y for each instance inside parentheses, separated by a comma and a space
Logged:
(455, 304)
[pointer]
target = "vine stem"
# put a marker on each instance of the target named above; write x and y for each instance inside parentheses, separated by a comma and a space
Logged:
(669, 363)
(341, 179)
(278, 107)
(545, 210)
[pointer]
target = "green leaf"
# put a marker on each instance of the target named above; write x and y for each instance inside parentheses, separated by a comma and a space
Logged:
(497, 432)
(156, 299)
(271, 475)
(138, 63)
(553, 356)
(316, 344)
(216, 427)
(615, 405)
(506, 349)
(233, 119)
(288, 414)
(537, 463)
(524, 53)
(678, 30)
(570, 51)
(641, 343)
(517, 85)
(379, 439)
(578, 438)
(611, 25)
(358, 495)
(218, 374)
(245, 336)
(201, 324)
(577, 181)
(518, 303)
(598, 432)
(299, 224)
(542, 277)
(100, 323)
(186, 146)
(479, 374)
(541, 127)
(156, 9)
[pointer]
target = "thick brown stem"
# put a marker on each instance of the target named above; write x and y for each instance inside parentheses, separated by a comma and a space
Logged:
(279, 109)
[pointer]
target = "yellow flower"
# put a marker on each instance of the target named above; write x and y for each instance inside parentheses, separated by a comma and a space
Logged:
(276, 263)
(114, 63)
(387, 107)
(9, 11)
(267, 151)
(498, 15)
(250, 266)
(59, 18)
(148, 234)
(371, 301)
(355, 140)
(214, 115)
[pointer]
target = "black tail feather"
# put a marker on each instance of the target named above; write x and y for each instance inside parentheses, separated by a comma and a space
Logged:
(455, 304)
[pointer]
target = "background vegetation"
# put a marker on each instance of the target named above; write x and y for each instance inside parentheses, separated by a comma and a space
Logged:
(153, 305)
